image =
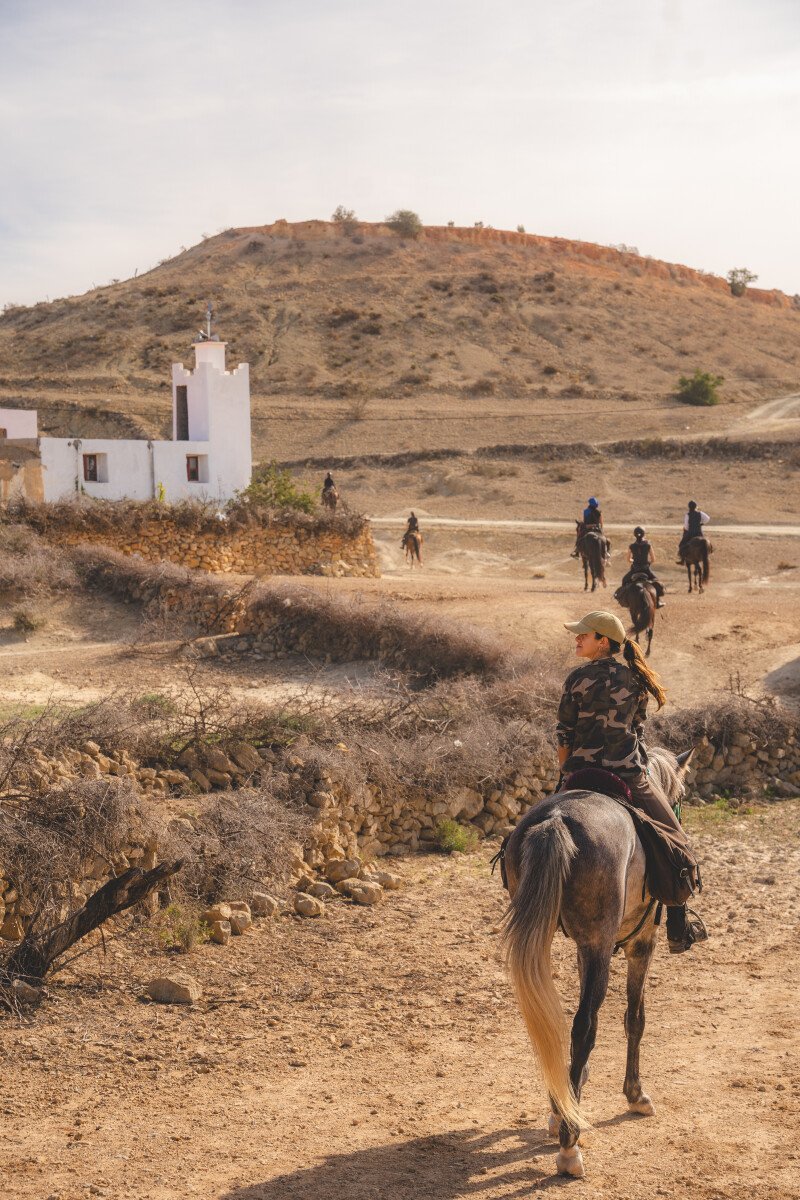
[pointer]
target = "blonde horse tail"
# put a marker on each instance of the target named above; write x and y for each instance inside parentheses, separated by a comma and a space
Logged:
(530, 925)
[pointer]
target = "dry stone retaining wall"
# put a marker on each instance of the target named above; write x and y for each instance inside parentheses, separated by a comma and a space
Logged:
(360, 819)
(276, 549)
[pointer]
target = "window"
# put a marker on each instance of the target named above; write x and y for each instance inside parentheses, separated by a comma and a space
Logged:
(3, 433)
(95, 468)
(181, 414)
(197, 468)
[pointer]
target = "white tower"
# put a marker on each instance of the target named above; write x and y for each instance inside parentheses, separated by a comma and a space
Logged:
(211, 415)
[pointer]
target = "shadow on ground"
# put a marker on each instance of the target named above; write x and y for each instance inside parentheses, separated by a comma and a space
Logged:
(449, 1166)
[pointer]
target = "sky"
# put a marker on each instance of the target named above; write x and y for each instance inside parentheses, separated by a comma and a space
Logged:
(127, 132)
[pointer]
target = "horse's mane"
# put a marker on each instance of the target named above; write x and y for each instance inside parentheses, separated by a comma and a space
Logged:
(665, 774)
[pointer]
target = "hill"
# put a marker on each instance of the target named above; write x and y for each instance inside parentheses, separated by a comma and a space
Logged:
(366, 342)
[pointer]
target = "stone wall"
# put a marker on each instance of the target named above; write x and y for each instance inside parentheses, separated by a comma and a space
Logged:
(281, 548)
(358, 818)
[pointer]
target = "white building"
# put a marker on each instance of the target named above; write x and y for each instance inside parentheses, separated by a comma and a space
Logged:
(208, 458)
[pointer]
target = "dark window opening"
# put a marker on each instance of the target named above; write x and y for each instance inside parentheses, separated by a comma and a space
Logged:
(193, 468)
(90, 468)
(181, 414)
(3, 433)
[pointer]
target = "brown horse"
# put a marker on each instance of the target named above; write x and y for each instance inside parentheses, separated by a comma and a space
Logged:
(592, 546)
(698, 569)
(412, 544)
(330, 498)
(639, 597)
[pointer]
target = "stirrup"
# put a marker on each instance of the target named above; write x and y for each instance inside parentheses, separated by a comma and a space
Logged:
(694, 931)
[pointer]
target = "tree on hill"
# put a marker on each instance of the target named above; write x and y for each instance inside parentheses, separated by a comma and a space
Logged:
(346, 219)
(700, 388)
(738, 279)
(405, 222)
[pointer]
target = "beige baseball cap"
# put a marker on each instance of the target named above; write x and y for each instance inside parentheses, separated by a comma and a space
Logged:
(604, 623)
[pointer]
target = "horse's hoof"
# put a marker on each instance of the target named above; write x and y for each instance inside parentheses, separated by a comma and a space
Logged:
(643, 1106)
(553, 1125)
(570, 1162)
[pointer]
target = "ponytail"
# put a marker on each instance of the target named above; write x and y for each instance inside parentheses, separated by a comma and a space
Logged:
(643, 672)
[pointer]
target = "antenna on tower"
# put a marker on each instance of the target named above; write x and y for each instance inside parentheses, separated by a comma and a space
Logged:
(205, 334)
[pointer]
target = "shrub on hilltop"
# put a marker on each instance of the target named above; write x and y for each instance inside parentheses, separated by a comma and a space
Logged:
(405, 223)
(346, 220)
(738, 280)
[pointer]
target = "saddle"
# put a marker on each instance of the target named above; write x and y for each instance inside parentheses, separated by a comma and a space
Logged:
(670, 877)
(597, 779)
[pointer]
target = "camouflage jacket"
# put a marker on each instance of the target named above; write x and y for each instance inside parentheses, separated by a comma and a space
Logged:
(601, 717)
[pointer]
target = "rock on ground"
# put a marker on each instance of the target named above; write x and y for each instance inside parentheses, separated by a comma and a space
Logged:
(177, 988)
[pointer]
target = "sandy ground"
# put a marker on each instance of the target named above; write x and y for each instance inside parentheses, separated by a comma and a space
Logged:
(317, 1064)
(743, 630)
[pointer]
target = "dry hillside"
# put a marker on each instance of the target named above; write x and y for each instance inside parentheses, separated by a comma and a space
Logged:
(367, 342)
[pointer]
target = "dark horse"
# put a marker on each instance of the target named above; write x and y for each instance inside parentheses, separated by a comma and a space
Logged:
(592, 546)
(639, 597)
(575, 861)
(695, 555)
(330, 498)
(412, 543)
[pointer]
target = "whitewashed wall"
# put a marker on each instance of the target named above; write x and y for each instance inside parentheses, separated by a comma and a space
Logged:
(130, 471)
(219, 425)
(18, 422)
(218, 404)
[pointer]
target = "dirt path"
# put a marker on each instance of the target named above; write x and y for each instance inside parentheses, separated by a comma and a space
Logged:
(545, 526)
(378, 1054)
(769, 417)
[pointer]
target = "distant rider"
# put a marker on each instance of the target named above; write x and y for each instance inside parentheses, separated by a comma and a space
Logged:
(592, 518)
(328, 485)
(412, 526)
(641, 558)
(693, 524)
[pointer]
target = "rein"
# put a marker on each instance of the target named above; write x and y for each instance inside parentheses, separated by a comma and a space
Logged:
(638, 929)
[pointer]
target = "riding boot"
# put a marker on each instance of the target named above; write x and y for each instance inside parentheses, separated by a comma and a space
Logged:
(683, 930)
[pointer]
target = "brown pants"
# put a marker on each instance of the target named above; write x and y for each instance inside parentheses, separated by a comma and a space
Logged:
(675, 857)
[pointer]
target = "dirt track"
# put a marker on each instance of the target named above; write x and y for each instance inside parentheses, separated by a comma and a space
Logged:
(317, 1065)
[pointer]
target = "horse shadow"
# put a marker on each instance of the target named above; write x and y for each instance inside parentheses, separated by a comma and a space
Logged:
(456, 1165)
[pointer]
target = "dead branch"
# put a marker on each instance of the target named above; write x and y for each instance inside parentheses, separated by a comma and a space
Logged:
(34, 956)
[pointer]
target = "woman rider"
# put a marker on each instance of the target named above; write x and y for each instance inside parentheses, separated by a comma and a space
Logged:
(600, 724)
(641, 558)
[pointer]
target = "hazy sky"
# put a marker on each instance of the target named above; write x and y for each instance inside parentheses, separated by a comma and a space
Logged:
(127, 132)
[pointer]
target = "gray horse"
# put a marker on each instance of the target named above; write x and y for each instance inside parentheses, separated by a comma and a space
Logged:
(575, 860)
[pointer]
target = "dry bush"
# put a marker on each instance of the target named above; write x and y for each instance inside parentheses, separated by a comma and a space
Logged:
(51, 837)
(29, 568)
(719, 720)
(244, 841)
(154, 585)
(95, 517)
(346, 629)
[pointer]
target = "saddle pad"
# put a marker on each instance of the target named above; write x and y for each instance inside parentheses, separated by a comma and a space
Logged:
(597, 779)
